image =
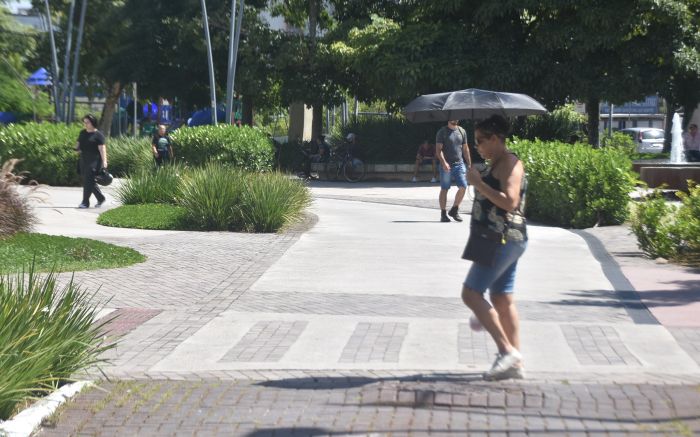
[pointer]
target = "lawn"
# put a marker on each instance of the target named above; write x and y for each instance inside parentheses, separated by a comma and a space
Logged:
(62, 253)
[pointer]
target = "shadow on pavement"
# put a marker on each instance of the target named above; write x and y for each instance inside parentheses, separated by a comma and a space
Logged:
(345, 382)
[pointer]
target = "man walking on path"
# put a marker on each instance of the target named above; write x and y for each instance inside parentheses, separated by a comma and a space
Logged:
(452, 149)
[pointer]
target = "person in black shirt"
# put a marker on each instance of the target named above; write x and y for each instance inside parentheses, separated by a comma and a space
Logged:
(162, 146)
(93, 158)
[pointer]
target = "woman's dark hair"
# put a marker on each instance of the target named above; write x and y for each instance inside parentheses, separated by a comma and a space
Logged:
(92, 119)
(494, 125)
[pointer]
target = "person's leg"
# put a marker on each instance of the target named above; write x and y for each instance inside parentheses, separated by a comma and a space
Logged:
(442, 198)
(98, 194)
(488, 317)
(419, 159)
(88, 175)
(504, 305)
(459, 172)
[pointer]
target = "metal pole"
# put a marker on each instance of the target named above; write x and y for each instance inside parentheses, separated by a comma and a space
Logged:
(136, 110)
(210, 59)
(66, 60)
(229, 76)
(357, 108)
(76, 62)
(610, 119)
(54, 57)
(239, 24)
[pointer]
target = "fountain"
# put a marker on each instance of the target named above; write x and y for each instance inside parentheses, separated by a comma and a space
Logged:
(673, 173)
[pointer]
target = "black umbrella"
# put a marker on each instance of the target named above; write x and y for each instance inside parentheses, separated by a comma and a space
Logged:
(472, 104)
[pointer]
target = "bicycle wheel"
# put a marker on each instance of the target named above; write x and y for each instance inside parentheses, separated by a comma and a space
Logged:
(354, 170)
(331, 170)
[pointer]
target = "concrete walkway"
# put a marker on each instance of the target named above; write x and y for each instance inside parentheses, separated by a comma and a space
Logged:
(361, 311)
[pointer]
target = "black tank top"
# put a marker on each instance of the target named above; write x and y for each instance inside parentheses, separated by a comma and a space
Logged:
(485, 214)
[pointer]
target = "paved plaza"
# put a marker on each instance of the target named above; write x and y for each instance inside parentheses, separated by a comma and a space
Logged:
(350, 323)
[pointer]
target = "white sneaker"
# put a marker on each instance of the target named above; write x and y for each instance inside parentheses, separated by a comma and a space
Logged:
(83, 206)
(433, 180)
(413, 179)
(504, 366)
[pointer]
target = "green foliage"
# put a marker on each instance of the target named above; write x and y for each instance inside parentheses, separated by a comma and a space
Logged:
(563, 124)
(46, 150)
(575, 185)
(670, 231)
(390, 139)
(211, 196)
(128, 155)
(151, 185)
(67, 254)
(145, 216)
(271, 201)
(651, 223)
(47, 334)
(243, 147)
(15, 212)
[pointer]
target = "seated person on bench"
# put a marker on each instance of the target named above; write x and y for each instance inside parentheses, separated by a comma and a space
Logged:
(426, 153)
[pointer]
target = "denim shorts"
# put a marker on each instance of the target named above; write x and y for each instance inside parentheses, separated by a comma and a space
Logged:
(500, 278)
(458, 171)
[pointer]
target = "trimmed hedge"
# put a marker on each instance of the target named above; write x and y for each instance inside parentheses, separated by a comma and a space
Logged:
(243, 147)
(46, 150)
(574, 185)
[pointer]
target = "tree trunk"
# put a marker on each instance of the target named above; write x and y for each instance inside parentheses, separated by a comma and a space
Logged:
(112, 99)
(593, 111)
(317, 121)
(247, 110)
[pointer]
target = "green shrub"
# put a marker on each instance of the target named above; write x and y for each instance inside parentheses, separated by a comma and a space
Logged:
(15, 212)
(243, 147)
(669, 231)
(127, 155)
(211, 196)
(562, 124)
(573, 185)
(146, 216)
(270, 201)
(47, 334)
(151, 185)
(47, 151)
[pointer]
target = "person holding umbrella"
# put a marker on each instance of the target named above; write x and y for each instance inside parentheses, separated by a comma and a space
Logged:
(497, 228)
(451, 149)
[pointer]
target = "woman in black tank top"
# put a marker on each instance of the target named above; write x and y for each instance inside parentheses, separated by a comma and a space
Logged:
(499, 195)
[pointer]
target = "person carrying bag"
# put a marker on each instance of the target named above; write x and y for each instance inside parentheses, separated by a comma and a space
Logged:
(497, 240)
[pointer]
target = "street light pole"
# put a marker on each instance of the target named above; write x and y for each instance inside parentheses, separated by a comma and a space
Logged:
(66, 58)
(210, 59)
(229, 76)
(54, 57)
(76, 62)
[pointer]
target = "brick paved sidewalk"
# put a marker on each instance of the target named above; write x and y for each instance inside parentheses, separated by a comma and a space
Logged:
(209, 346)
(437, 405)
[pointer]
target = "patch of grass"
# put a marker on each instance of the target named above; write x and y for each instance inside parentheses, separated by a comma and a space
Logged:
(150, 185)
(146, 216)
(62, 253)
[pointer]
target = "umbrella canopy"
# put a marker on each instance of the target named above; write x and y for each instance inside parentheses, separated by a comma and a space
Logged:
(203, 117)
(472, 104)
(40, 77)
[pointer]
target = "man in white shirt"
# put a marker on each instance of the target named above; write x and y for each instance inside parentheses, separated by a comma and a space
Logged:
(691, 143)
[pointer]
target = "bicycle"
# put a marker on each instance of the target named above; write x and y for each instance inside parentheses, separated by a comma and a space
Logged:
(353, 169)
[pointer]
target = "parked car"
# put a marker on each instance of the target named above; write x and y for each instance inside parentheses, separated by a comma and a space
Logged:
(647, 139)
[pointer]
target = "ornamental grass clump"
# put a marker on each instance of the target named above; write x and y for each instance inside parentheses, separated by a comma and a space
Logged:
(47, 334)
(151, 185)
(211, 196)
(15, 213)
(128, 155)
(271, 201)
